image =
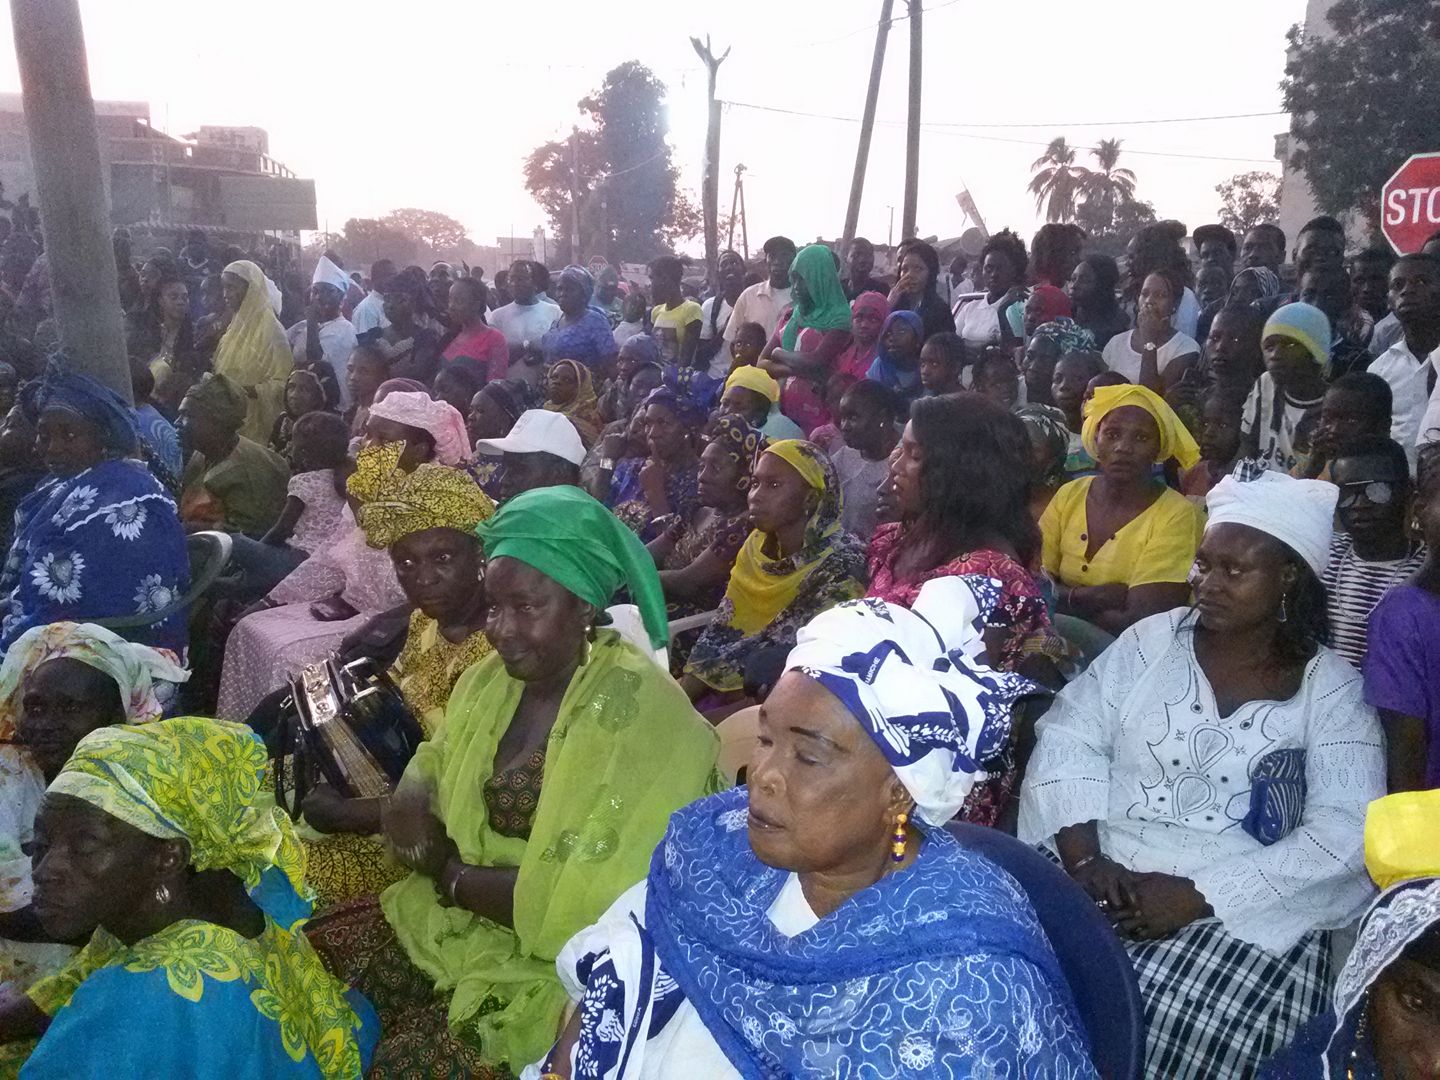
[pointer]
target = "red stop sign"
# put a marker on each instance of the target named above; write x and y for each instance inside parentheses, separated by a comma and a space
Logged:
(1410, 203)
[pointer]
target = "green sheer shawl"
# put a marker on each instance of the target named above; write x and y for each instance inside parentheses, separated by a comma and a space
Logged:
(626, 751)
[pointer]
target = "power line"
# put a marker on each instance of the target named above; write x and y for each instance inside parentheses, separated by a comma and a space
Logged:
(1123, 123)
(870, 27)
(946, 129)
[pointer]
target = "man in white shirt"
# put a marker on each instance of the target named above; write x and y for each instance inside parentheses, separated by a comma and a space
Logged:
(324, 334)
(524, 321)
(369, 314)
(1409, 366)
(764, 302)
(714, 347)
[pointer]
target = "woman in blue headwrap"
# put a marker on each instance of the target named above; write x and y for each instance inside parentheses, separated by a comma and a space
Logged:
(101, 538)
(582, 332)
(820, 921)
(897, 364)
(645, 491)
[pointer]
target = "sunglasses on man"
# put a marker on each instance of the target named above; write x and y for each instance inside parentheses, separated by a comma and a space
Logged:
(1375, 492)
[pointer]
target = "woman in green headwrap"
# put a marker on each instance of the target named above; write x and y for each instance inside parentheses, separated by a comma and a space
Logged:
(561, 757)
(813, 334)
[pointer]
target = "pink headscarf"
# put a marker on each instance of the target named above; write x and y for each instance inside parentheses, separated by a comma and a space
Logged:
(418, 410)
(872, 302)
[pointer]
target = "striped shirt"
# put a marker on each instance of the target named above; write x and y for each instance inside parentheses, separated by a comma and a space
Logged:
(1354, 586)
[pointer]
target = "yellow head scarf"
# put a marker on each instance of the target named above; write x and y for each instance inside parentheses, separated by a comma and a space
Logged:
(1175, 440)
(189, 779)
(254, 352)
(1401, 839)
(394, 503)
(754, 378)
(584, 409)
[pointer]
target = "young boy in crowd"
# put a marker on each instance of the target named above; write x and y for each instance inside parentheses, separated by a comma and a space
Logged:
(942, 359)
(1068, 388)
(1284, 405)
(749, 343)
(1374, 551)
(997, 377)
(868, 412)
(1355, 405)
(1219, 444)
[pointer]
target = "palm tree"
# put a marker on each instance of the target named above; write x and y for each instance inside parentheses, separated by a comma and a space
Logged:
(1057, 180)
(1109, 187)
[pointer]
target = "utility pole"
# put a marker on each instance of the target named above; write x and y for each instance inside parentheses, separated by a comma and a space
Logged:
(867, 125)
(65, 151)
(710, 178)
(738, 200)
(912, 127)
(575, 256)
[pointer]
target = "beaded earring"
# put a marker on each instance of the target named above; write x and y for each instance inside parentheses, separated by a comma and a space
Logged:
(897, 841)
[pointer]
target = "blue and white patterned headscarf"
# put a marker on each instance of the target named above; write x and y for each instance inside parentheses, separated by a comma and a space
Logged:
(917, 681)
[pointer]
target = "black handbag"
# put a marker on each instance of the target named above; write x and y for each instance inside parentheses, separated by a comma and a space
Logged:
(348, 724)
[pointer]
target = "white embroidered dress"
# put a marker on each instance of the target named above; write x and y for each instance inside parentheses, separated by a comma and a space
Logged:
(1138, 745)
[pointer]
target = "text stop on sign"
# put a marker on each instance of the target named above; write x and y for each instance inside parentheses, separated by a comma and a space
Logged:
(1410, 203)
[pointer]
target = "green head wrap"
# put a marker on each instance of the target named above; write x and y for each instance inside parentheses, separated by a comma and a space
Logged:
(826, 307)
(571, 538)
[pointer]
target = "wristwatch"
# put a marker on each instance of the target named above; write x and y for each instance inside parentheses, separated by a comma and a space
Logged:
(608, 464)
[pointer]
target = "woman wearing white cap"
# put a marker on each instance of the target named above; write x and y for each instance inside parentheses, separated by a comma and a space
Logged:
(1206, 782)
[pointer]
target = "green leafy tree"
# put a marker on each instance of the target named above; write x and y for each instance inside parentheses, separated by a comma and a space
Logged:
(1109, 234)
(369, 239)
(625, 179)
(1108, 187)
(1363, 98)
(1056, 180)
(1247, 199)
(440, 233)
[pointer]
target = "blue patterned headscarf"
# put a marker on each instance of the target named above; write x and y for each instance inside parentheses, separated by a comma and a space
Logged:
(1068, 335)
(91, 400)
(578, 275)
(692, 415)
(915, 681)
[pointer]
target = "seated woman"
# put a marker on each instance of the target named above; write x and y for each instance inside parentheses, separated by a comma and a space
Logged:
(582, 332)
(796, 562)
(959, 482)
(101, 538)
(1049, 446)
(643, 490)
(1043, 351)
(897, 362)
(430, 429)
(541, 798)
(304, 393)
(58, 683)
(570, 391)
(1206, 779)
(1384, 1023)
(832, 880)
(812, 336)
(253, 353)
(695, 555)
(1154, 355)
(150, 844)
(754, 396)
(868, 313)
(1119, 545)
(366, 371)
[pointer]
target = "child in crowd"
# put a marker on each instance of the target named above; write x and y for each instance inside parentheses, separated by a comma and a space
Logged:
(1068, 389)
(1284, 405)
(632, 320)
(1219, 444)
(1233, 360)
(867, 420)
(315, 500)
(1356, 405)
(304, 393)
(997, 377)
(364, 373)
(159, 434)
(942, 361)
(828, 436)
(749, 343)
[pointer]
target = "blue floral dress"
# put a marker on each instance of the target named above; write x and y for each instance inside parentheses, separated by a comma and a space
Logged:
(106, 542)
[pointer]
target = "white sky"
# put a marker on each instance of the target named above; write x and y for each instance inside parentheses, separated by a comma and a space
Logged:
(435, 103)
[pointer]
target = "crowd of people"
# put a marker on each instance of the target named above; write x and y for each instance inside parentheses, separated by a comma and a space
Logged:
(707, 608)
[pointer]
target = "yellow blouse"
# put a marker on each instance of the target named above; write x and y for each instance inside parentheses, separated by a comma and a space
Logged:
(1156, 547)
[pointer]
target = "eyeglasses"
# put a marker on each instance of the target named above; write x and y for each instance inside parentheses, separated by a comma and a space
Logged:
(1375, 492)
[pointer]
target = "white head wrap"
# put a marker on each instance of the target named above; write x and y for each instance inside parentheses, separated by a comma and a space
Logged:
(914, 680)
(138, 670)
(1298, 513)
(327, 273)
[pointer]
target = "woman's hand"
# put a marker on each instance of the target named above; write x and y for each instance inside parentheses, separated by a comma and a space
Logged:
(1109, 884)
(417, 836)
(1160, 904)
(1153, 325)
(652, 482)
(332, 609)
(327, 811)
(613, 446)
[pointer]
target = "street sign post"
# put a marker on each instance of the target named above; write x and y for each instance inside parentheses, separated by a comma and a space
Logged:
(1410, 203)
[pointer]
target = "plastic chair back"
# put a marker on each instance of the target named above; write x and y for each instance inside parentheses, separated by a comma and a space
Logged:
(1095, 963)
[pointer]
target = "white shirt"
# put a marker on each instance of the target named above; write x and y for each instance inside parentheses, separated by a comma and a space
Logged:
(758, 304)
(1137, 744)
(1410, 404)
(1187, 316)
(1119, 356)
(1277, 445)
(337, 341)
(525, 322)
(720, 362)
(978, 322)
(369, 313)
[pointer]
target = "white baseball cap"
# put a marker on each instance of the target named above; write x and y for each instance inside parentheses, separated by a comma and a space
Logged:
(539, 431)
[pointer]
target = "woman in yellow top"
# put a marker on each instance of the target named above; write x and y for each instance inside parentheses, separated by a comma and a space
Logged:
(539, 801)
(253, 352)
(1119, 545)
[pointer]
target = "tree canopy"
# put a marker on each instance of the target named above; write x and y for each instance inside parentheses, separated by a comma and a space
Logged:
(629, 205)
(1247, 199)
(1363, 99)
(405, 235)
